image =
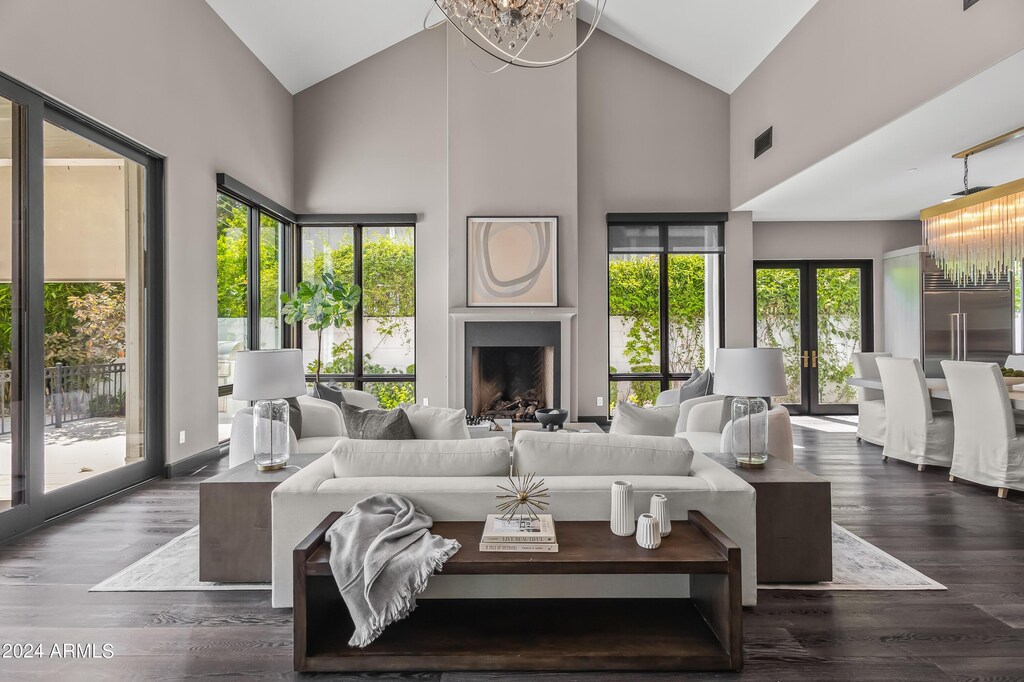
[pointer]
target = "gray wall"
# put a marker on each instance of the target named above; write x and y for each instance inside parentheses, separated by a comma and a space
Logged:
(866, 240)
(364, 148)
(651, 138)
(170, 74)
(616, 130)
(850, 67)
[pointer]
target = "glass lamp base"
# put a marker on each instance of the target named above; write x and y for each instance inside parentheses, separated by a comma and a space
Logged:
(751, 461)
(271, 430)
(271, 467)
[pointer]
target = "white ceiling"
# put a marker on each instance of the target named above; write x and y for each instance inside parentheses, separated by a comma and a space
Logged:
(872, 179)
(303, 42)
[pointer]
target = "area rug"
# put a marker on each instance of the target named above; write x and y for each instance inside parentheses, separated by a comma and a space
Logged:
(172, 568)
(856, 565)
(859, 565)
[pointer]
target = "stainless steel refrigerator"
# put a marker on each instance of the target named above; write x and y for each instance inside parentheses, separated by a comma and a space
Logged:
(965, 323)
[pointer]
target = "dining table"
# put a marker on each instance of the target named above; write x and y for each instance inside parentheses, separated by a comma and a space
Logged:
(939, 390)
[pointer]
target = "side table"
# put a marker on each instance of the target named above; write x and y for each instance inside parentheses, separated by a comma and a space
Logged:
(794, 521)
(234, 522)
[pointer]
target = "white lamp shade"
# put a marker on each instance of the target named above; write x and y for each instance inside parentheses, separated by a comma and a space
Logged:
(750, 372)
(269, 374)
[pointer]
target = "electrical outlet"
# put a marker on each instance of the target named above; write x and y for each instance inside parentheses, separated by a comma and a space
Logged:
(600, 401)
(426, 402)
(181, 437)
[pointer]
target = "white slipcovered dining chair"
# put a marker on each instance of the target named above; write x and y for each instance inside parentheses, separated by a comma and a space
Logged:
(870, 401)
(986, 448)
(1014, 362)
(913, 433)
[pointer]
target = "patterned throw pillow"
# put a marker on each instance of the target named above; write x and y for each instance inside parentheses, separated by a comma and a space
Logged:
(376, 424)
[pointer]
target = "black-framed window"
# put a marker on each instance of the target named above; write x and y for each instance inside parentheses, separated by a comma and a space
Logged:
(665, 300)
(377, 352)
(251, 235)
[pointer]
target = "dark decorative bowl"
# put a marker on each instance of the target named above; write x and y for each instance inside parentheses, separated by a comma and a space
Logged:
(551, 418)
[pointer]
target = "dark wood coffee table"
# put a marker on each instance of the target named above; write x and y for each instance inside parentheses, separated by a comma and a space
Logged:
(703, 632)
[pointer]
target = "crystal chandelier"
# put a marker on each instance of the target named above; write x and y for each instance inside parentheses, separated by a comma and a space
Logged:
(980, 235)
(503, 28)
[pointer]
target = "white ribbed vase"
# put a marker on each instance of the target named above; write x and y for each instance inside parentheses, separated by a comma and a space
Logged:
(648, 534)
(659, 510)
(623, 522)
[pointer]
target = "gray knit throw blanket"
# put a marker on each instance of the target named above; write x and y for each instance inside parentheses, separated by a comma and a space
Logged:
(382, 555)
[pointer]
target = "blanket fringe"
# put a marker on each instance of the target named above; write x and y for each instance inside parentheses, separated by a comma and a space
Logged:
(405, 602)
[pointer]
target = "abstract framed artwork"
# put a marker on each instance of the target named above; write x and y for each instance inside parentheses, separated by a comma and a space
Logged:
(512, 261)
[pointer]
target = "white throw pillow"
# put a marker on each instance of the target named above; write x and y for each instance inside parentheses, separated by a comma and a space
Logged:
(421, 458)
(437, 423)
(631, 420)
(599, 454)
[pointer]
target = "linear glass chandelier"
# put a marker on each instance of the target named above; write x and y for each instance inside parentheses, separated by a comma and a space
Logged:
(504, 28)
(980, 235)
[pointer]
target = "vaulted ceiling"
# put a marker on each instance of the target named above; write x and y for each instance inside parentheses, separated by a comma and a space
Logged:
(305, 41)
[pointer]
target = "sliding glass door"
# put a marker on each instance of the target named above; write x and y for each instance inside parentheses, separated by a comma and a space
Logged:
(80, 311)
(819, 314)
(12, 470)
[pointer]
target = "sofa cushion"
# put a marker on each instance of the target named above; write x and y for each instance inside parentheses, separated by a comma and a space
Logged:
(598, 454)
(376, 424)
(631, 420)
(437, 423)
(421, 458)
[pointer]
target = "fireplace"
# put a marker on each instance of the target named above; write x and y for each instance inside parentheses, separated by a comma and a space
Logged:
(512, 368)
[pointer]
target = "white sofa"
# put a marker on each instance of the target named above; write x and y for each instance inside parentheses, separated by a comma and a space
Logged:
(322, 426)
(702, 418)
(579, 470)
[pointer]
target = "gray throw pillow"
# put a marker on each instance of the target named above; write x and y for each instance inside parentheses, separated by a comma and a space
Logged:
(376, 424)
(325, 392)
(726, 412)
(295, 417)
(697, 386)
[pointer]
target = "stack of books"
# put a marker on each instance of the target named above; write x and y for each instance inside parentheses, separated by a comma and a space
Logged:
(519, 534)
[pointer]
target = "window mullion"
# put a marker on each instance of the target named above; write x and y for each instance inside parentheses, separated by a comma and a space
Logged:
(357, 318)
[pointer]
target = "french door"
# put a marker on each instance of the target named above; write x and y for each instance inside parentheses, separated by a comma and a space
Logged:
(819, 313)
(81, 312)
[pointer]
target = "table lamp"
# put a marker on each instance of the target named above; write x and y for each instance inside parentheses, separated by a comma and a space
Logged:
(268, 377)
(750, 375)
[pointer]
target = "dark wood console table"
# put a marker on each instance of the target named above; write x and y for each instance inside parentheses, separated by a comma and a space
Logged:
(703, 632)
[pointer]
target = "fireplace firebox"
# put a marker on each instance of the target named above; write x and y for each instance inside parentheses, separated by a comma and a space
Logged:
(512, 369)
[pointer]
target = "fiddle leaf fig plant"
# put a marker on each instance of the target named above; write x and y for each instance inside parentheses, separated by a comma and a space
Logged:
(321, 303)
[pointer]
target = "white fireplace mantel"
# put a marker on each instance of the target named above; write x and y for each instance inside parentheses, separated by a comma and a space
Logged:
(457, 319)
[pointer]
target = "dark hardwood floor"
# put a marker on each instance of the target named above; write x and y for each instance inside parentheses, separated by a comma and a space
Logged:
(958, 534)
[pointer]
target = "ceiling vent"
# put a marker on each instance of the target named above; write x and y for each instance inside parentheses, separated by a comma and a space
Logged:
(763, 143)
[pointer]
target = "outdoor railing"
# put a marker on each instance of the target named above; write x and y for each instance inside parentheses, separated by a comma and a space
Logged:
(73, 393)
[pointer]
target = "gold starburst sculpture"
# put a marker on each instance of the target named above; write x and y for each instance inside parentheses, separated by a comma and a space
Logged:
(523, 493)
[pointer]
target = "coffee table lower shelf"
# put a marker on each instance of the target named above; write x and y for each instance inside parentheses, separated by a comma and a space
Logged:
(534, 635)
(703, 632)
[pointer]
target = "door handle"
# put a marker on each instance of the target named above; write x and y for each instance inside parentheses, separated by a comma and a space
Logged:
(814, 358)
(806, 358)
(963, 336)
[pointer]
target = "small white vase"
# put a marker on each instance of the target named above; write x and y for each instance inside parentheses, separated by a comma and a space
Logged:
(659, 510)
(623, 521)
(648, 534)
